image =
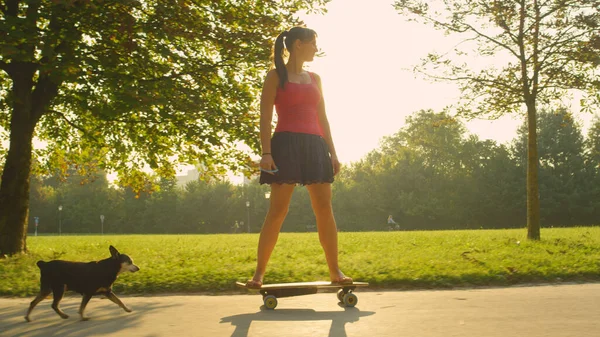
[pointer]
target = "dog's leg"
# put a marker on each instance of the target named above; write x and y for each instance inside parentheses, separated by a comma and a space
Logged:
(84, 302)
(58, 292)
(111, 296)
(43, 294)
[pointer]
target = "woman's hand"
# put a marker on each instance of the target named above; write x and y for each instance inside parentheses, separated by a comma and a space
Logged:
(267, 164)
(336, 164)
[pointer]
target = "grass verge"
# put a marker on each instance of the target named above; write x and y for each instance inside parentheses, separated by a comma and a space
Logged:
(401, 260)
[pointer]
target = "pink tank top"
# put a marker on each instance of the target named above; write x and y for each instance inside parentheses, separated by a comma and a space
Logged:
(296, 107)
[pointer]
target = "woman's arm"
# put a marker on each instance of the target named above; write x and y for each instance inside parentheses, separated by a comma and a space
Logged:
(324, 122)
(267, 100)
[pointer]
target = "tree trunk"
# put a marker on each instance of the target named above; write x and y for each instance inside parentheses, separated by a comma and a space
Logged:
(533, 195)
(14, 190)
(14, 187)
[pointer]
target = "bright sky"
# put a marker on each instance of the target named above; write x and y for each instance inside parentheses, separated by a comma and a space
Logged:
(368, 86)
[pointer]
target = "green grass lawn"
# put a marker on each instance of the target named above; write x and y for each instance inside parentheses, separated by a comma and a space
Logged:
(407, 260)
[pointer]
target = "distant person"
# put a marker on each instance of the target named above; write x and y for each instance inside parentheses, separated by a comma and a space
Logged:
(391, 223)
(300, 151)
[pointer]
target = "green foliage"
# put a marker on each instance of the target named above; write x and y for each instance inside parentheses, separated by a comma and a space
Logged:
(130, 85)
(144, 83)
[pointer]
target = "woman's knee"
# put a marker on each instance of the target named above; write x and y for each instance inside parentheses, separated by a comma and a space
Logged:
(320, 198)
(279, 210)
(322, 206)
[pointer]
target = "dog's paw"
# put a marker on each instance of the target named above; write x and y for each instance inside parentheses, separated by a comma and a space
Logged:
(85, 318)
(64, 316)
(127, 309)
(27, 319)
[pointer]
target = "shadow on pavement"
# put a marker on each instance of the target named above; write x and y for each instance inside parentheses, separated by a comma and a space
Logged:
(338, 319)
(105, 318)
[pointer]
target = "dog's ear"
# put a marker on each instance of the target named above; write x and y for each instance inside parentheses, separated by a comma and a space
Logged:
(113, 252)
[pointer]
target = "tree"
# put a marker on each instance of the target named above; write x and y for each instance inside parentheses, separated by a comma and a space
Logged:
(593, 143)
(564, 195)
(417, 176)
(83, 200)
(592, 146)
(547, 47)
(161, 209)
(142, 82)
(429, 148)
(495, 196)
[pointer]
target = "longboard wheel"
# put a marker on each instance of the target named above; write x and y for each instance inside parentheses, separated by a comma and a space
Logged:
(340, 295)
(270, 302)
(350, 300)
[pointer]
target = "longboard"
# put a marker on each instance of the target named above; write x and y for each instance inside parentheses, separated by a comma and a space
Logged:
(271, 292)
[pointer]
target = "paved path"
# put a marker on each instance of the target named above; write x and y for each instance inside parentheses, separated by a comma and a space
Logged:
(556, 311)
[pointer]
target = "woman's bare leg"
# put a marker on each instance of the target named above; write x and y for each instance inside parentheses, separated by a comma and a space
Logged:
(281, 194)
(320, 198)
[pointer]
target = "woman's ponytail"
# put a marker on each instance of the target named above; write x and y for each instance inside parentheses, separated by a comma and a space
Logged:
(278, 59)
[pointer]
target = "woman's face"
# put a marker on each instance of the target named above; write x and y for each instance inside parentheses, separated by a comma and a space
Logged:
(307, 49)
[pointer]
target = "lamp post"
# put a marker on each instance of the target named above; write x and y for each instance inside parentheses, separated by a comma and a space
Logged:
(37, 221)
(248, 212)
(102, 221)
(59, 220)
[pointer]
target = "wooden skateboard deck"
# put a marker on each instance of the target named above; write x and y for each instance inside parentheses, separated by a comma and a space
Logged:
(271, 292)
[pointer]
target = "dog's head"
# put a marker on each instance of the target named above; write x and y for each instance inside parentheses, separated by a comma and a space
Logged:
(124, 260)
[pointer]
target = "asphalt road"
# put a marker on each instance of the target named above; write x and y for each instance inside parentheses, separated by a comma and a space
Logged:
(532, 311)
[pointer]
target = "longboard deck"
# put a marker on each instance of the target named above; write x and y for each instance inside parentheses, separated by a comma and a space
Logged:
(304, 285)
(271, 292)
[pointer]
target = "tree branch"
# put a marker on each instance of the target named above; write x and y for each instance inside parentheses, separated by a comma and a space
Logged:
(502, 25)
(536, 38)
(84, 131)
(488, 82)
(566, 4)
(550, 78)
(45, 91)
(32, 10)
(557, 43)
(12, 7)
(556, 86)
(469, 27)
(505, 46)
(522, 58)
(218, 65)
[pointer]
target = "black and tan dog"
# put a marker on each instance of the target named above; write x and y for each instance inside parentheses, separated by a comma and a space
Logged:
(86, 278)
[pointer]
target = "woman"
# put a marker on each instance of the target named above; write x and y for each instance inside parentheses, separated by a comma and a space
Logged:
(301, 150)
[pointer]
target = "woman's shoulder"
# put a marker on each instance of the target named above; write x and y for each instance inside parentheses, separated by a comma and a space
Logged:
(272, 78)
(272, 74)
(315, 76)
